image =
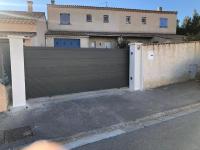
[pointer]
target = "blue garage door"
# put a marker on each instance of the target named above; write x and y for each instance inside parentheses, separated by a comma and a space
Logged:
(67, 43)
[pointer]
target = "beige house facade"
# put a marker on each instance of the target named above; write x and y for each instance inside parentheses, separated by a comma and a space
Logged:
(73, 26)
(29, 24)
(101, 27)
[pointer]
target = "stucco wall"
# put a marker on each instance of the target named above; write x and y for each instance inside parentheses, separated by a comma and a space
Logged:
(116, 20)
(41, 29)
(17, 27)
(49, 41)
(165, 64)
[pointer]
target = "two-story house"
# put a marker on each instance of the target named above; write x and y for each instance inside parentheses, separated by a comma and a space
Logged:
(29, 24)
(101, 27)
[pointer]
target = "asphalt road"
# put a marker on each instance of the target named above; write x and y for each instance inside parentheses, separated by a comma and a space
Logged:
(182, 133)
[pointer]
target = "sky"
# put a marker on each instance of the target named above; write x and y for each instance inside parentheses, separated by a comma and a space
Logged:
(184, 7)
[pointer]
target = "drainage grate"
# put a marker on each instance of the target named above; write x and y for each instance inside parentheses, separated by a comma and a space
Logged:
(17, 134)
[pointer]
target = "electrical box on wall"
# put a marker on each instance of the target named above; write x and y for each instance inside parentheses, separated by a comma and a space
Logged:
(150, 55)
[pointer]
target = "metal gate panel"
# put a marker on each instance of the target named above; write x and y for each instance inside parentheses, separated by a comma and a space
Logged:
(56, 71)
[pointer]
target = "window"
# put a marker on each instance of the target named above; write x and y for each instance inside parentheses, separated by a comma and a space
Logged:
(128, 19)
(144, 20)
(163, 22)
(64, 19)
(106, 19)
(89, 18)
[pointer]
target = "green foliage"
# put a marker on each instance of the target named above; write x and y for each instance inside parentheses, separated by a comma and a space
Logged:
(190, 27)
(122, 42)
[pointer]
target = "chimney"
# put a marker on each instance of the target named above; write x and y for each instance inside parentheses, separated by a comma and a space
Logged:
(30, 6)
(160, 9)
(52, 2)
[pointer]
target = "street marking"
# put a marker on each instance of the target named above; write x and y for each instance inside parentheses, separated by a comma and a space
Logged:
(93, 138)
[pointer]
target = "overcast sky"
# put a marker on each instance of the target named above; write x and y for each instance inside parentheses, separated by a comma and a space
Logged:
(184, 7)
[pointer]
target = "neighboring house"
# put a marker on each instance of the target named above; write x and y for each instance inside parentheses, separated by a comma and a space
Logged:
(101, 27)
(31, 25)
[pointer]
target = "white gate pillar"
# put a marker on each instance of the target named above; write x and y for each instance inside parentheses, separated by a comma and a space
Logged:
(135, 66)
(17, 70)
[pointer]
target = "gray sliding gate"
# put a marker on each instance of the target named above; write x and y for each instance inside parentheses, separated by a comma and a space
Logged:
(56, 71)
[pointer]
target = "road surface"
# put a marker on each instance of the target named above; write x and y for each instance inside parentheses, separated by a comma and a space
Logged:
(182, 133)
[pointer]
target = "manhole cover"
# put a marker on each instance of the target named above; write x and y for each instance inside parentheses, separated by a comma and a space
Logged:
(17, 134)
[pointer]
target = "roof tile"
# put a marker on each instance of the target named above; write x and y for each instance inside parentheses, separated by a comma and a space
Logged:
(112, 8)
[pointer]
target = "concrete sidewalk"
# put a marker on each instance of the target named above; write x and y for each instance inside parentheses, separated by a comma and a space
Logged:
(60, 119)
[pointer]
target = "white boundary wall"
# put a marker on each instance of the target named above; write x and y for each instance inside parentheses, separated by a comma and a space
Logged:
(165, 64)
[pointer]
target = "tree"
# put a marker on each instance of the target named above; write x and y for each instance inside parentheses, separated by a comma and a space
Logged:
(190, 27)
(179, 29)
(122, 42)
(195, 24)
